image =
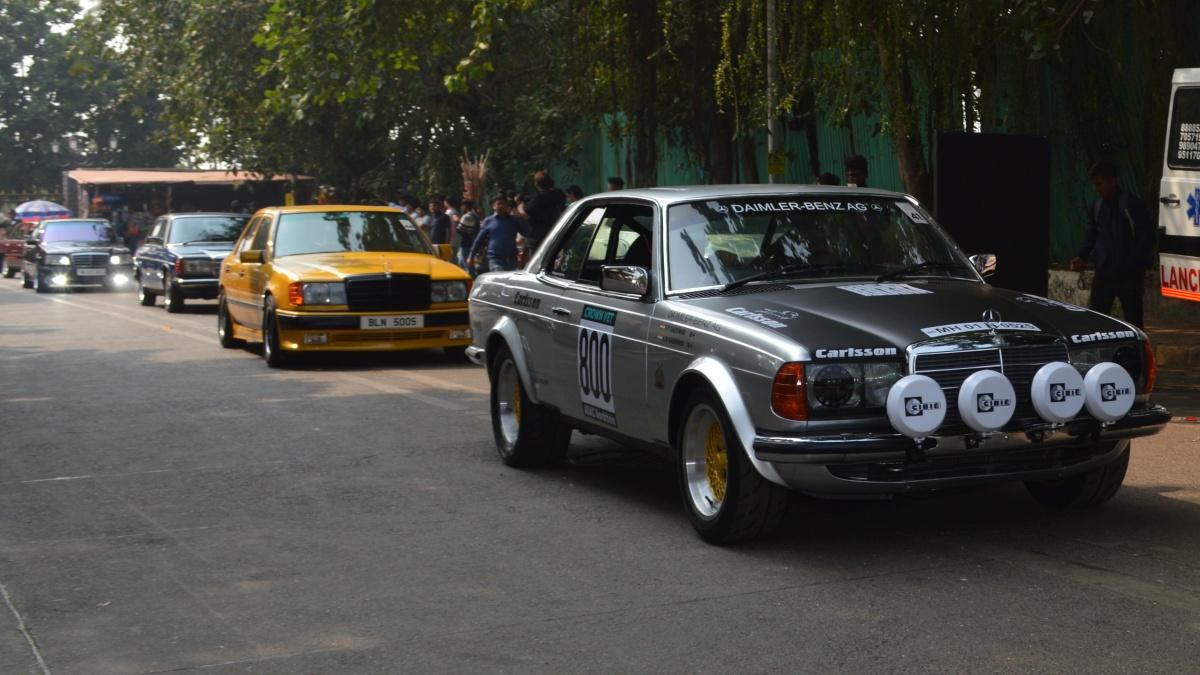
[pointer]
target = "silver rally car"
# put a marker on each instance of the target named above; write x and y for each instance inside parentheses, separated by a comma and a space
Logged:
(834, 341)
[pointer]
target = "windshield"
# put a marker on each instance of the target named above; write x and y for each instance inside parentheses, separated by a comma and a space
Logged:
(206, 228)
(341, 231)
(79, 231)
(716, 242)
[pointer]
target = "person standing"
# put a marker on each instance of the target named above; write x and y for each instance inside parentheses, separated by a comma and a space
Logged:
(616, 183)
(439, 222)
(543, 210)
(856, 171)
(574, 193)
(1120, 239)
(467, 229)
(499, 233)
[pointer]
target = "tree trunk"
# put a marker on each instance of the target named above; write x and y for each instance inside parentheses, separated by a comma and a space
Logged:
(643, 43)
(905, 117)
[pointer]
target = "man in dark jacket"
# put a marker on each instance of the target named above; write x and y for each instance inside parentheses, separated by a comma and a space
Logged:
(1120, 239)
(543, 210)
(499, 235)
(439, 222)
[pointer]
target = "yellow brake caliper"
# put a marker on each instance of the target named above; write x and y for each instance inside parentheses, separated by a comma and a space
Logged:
(716, 461)
(516, 404)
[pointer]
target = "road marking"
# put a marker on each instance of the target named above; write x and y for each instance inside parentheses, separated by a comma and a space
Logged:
(106, 537)
(214, 467)
(206, 339)
(37, 654)
(26, 400)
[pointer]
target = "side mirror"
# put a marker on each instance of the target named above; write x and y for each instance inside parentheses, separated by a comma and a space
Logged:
(444, 251)
(250, 256)
(153, 240)
(984, 263)
(625, 279)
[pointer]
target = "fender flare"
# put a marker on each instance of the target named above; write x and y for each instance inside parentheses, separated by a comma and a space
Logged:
(506, 329)
(721, 379)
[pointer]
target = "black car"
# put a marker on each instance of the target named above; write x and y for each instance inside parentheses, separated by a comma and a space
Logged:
(75, 253)
(181, 257)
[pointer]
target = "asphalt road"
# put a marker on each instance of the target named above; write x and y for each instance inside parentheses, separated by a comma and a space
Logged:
(167, 505)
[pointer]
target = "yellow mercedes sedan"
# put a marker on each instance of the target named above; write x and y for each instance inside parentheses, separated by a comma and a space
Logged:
(340, 278)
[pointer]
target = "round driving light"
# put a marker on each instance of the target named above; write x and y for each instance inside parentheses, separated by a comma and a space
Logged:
(1057, 392)
(916, 406)
(1108, 391)
(833, 386)
(986, 400)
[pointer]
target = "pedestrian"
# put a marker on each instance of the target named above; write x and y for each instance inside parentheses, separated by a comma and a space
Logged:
(439, 222)
(574, 193)
(1120, 240)
(499, 231)
(856, 171)
(451, 206)
(467, 229)
(828, 179)
(543, 210)
(421, 217)
(615, 183)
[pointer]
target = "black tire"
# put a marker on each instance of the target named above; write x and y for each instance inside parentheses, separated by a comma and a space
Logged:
(750, 506)
(272, 353)
(1085, 490)
(225, 326)
(26, 280)
(39, 283)
(539, 437)
(455, 353)
(172, 297)
(9, 271)
(145, 296)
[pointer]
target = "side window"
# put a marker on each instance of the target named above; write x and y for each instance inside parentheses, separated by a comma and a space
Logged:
(567, 260)
(623, 239)
(1183, 136)
(248, 235)
(160, 229)
(260, 237)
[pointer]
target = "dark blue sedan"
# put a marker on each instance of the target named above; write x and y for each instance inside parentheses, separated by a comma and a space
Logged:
(181, 257)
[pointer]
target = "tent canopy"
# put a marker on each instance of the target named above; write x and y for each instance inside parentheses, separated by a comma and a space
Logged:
(143, 176)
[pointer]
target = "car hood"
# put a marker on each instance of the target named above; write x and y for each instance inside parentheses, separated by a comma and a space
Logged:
(213, 249)
(859, 316)
(69, 247)
(337, 266)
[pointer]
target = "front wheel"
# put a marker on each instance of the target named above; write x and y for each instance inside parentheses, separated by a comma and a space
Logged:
(39, 283)
(1085, 490)
(225, 326)
(272, 353)
(725, 497)
(172, 298)
(527, 435)
(145, 297)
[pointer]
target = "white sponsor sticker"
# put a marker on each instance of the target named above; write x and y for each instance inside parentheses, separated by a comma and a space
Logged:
(783, 207)
(595, 364)
(914, 214)
(978, 327)
(884, 289)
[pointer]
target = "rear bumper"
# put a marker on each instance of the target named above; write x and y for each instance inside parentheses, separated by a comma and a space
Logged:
(196, 288)
(889, 463)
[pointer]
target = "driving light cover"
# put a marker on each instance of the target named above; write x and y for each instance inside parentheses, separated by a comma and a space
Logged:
(916, 406)
(448, 291)
(119, 280)
(1108, 392)
(986, 400)
(317, 293)
(63, 260)
(58, 280)
(1057, 392)
(788, 397)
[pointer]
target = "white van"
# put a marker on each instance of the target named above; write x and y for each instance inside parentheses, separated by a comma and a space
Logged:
(1179, 191)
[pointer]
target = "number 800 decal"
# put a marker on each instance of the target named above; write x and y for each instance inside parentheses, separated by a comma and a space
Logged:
(595, 363)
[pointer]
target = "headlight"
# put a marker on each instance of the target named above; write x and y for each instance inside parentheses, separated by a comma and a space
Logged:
(448, 291)
(1128, 356)
(850, 385)
(878, 379)
(323, 293)
(114, 260)
(63, 260)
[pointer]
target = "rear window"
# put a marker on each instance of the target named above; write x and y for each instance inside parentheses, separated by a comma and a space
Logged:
(206, 228)
(1183, 150)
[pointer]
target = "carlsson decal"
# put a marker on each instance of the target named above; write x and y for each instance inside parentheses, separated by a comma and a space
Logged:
(978, 326)
(1104, 336)
(884, 289)
(854, 352)
(595, 364)
(766, 317)
(526, 300)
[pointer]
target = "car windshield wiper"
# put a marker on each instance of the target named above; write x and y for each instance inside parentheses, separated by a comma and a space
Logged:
(780, 273)
(920, 267)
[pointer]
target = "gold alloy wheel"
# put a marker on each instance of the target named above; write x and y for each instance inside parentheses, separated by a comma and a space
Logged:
(705, 455)
(716, 461)
(516, 399)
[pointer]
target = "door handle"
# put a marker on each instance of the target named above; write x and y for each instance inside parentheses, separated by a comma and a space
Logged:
(1170, 200)
(561, 311)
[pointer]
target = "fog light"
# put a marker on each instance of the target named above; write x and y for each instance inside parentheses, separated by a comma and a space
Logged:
(464, 334)
(119, 279)
(316, 338)
(58, 280)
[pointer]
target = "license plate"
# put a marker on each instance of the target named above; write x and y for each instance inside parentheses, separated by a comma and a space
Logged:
(91, 272)
(401, 321)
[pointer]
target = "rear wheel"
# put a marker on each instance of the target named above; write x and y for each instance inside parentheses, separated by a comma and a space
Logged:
(225, 326)
(726, 498)
(527, 435)
(272, 353)
(26, 280)
(1085, 490)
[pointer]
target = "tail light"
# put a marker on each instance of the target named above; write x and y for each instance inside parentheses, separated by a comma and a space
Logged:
(789, 399)
(178, 266)
(296, 293)
(1151, 369)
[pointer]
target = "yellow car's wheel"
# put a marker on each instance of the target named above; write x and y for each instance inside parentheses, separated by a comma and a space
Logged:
(527, 434)
(726, 498)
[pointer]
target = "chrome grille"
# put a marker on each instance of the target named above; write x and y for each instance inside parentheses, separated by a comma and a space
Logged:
(89, 259)
(1019, 363)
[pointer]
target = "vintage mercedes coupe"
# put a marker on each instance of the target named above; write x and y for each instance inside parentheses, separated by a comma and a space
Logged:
(834, 341)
